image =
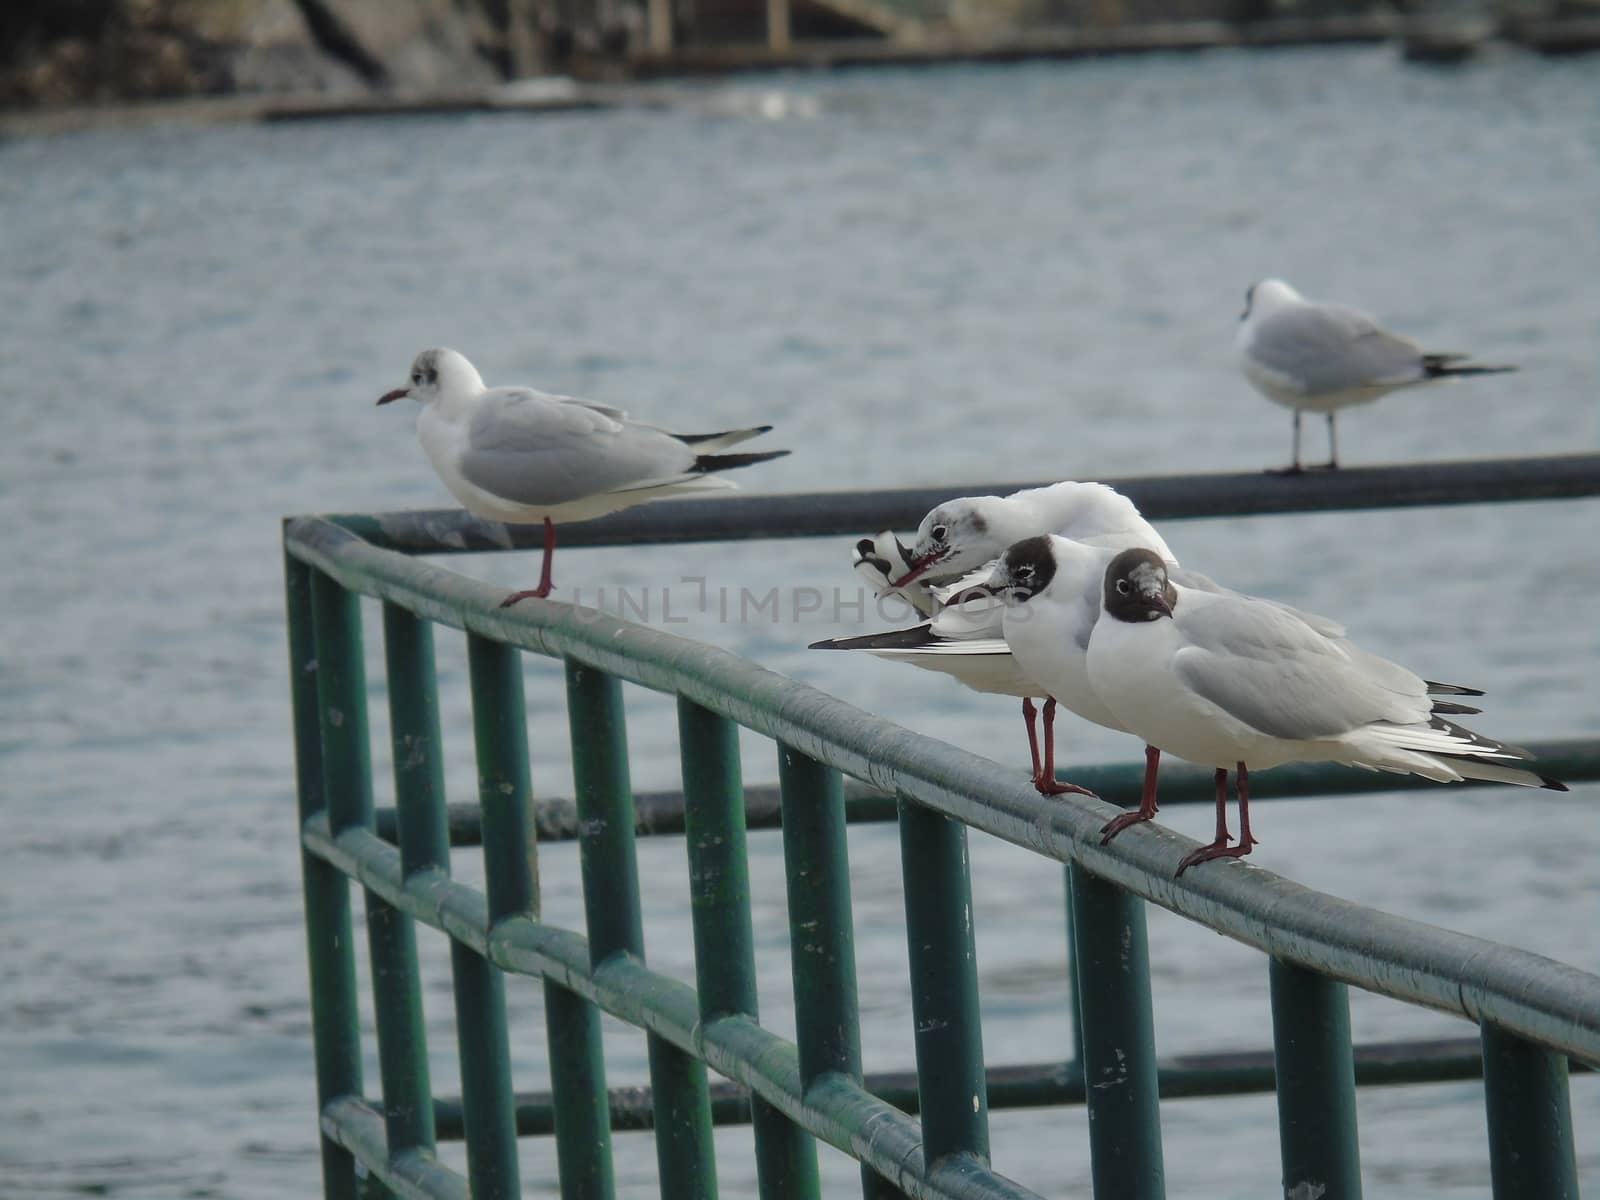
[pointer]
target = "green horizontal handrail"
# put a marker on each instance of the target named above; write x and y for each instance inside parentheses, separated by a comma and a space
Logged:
(1544, 1001)
(1572, 760)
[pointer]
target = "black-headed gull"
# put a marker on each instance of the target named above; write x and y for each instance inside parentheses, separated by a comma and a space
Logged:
(1051, 588)
(522, 456)
(1314, 357)
(1231, 681)
(965, 640)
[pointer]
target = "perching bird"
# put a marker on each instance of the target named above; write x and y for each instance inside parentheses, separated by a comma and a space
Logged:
(965, 640)
(1052, 587)
(1313, 357)
(1227, 680)
(522, 456)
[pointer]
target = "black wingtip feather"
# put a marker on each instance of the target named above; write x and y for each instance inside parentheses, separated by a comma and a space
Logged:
(694, 439)
(1555, 785)
(1450, 709)
(1477, 741)
(1435, 688)
(915, 638)
(708, 463)
(1438, 366)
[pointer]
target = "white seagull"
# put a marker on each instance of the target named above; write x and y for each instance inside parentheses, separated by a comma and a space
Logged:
(521, 456)
(965, 639)
(1314, 357)
(1227, 680)
(1051, 588)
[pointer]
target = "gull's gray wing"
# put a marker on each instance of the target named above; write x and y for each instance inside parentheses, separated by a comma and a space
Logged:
(1320, 348)
(1184, 577)
(1268, 668)
(533, 448)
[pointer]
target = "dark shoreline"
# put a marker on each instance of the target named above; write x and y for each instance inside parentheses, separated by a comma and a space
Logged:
(1431, 38)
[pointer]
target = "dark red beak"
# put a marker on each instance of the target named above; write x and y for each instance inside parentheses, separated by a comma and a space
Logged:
(397, 394)
(918, 568)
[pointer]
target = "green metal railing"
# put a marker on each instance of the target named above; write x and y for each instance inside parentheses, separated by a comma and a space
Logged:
(922, 1133)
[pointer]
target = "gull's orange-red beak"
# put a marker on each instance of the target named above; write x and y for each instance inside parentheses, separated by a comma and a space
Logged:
(397, 394)
(918, 568)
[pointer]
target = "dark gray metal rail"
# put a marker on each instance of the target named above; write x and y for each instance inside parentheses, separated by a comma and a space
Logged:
(1044, 1085)
(1572, 760)
(1159, 497)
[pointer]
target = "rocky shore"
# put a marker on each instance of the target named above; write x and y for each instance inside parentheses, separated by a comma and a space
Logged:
(67, 64)
(74, 52)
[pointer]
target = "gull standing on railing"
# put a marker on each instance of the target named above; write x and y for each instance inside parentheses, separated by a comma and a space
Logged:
(1313, 357)
(965, 639)
(522, 456)
(1228, 680)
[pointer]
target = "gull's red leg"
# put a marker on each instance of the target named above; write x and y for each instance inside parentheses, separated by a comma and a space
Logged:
(1220, 848)
(1241, 781)
(1147, 799)
(543, 590)
(1031, 715)
(1047, 783)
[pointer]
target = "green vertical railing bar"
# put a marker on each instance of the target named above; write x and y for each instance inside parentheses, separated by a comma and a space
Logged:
(944, 984)
(331, 960)
(342, 694)
(487, 1113)
(822, 949)
(1316, 1078)
(1531, 1151)
(500, 739)
(719, 881)
(505, 791)
(821, 930)
(681, 1103)
(1074, 1006)
(419, 791)
(1119, 1059)
(603, 795)
(424, 828)
(724, 942)
(680, 1098)
(611, 905)
(578, 1088)
(402, 1040)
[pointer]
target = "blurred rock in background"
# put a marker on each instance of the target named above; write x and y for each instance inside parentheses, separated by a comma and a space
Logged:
(55, 52)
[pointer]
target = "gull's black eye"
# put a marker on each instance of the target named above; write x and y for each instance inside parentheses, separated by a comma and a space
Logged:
(416, 378)
(939, 532)
(1123, 587)
(1024, 572)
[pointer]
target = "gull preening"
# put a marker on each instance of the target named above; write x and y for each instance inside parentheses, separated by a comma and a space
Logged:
(965, 639)
(523, 457)
(1313, 357)
(1231, 681)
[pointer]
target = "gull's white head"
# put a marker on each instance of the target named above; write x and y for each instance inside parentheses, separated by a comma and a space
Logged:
(438, 373)
(1268, 294)
(953, 539)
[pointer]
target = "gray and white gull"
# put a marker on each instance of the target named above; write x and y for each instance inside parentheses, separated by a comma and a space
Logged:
(522, 456)
(1315, 357)
(1228, 680)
